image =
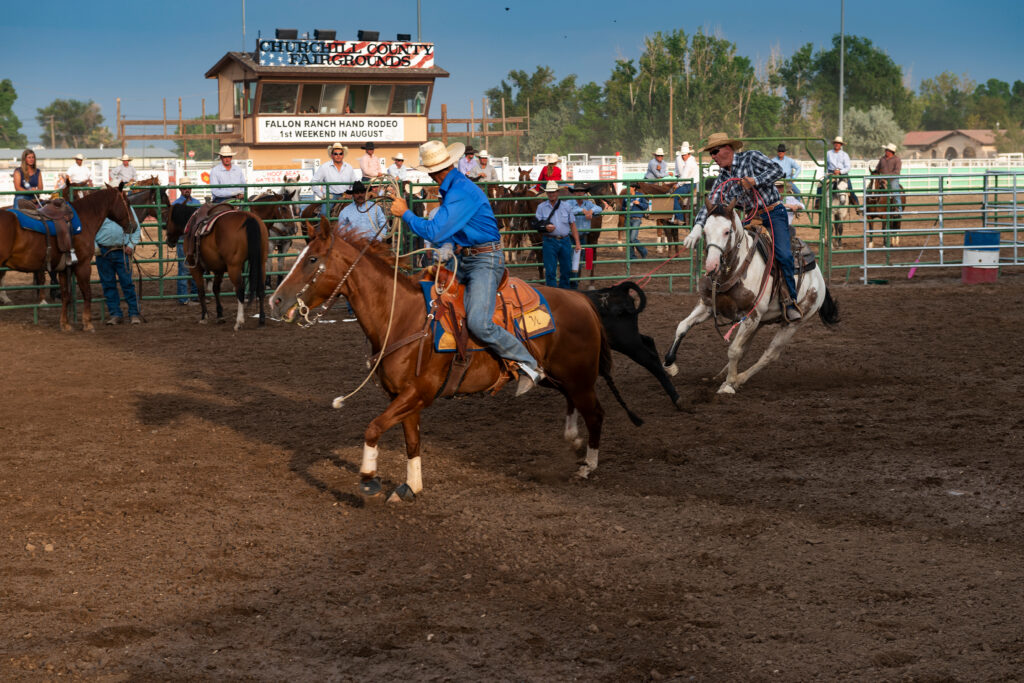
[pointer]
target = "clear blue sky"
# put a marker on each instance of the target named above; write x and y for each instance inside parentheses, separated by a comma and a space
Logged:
(144, 51)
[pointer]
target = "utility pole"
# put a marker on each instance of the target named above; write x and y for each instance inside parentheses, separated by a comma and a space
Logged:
(243, 26)
(842, 57)
(419, 23)
(671, 142)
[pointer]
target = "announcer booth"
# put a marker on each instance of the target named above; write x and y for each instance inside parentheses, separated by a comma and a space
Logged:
(293, 96)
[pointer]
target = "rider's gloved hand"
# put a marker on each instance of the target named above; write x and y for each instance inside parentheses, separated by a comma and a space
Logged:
(445, 253)
(694, 237)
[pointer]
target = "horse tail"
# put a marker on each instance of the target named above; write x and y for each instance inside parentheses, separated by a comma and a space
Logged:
(254, 255)
(829, 311)
(605, 369)
(630, 285)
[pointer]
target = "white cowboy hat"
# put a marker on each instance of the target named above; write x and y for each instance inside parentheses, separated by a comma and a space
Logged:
(399, 157)
(483, 154)
(226, 151)
(890, 147)
(337, 145)
(719, 139)
(552, 186)
(80, 157)
(659, 152)
(125, 157)
(552, 158)
(839, 139)
(685, 149)
(182, 182)
(434, 156)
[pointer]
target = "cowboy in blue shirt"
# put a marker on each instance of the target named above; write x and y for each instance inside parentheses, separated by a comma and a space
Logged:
(790, 167)
(465, 218)
(637, 205)
(365, 217)
(185, 285)
(114, 250)
(559, 224)
(837, 164)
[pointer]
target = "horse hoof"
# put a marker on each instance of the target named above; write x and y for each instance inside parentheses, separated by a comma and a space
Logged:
(727, 389)
(583, 472)
(672, 370)
(682, 405)
(402, 493)
(370, 488)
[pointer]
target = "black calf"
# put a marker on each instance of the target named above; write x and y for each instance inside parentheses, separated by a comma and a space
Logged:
(619, 311)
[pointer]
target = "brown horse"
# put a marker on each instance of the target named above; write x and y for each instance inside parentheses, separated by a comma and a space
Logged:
(412, 374)
(237, 237)
(883, 208)
(271, 208)
(25, 250)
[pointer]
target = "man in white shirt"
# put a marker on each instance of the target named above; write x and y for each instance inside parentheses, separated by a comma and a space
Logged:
(225, 173)
(837, 163)
(398, 169)
(125, 173)
(334, 178)
(78, 173)
(688, 173)
(486, 172)
(468, 166)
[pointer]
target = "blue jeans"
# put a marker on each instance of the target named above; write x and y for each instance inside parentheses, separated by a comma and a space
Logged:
(557, 261)
(187, 285)
(634, 237)
(783, 251)
(323, 207)
(481, 274)
(112, 269)
(897, 198)
(681, 191)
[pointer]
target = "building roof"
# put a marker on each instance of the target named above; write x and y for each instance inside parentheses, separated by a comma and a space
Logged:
(927, 138)
(136, 152)
(246, 61)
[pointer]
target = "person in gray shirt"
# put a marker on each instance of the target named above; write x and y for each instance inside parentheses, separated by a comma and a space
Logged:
(125, 173)
(224, 174)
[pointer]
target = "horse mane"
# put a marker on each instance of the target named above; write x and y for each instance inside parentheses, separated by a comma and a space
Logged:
(380, 250)
(152, 180)
(92, 199)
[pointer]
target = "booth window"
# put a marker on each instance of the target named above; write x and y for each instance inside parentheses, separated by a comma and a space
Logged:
(322, 98)
(245, 94)
(410, 99)
(279, 98)
(368, 99)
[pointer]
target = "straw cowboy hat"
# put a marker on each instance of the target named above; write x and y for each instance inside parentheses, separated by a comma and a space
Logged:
(80, 157)
(185, 181)
(685, 149)
(226, 151)
(890, 148)
(552, 158)
(552, 186)
(337, 145)
(839, 139)
(434, 156)
(483, 154)
(659, 152)
(399, 157)
(719, 139)
(125, 157)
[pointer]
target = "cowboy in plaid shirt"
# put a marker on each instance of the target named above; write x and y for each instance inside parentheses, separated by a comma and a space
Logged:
(748, 171)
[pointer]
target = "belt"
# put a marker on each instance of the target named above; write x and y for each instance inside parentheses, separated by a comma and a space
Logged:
(107, 250)
(480, 249)
(772, 206)
(555, 237)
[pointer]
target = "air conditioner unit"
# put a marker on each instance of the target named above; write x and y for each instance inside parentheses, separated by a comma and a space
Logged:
(286, 33)
(370, 36)
(324, 34)
(404, 37)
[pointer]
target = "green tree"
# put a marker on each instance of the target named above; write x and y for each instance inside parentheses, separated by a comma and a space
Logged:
(75, 124)
(867, 132)
(945, 101)
(990, 105)
(205, 151)
(796, 76)
(10, 125)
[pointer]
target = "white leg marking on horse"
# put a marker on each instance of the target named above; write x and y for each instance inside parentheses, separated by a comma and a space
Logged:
(240, 316)
(369, 465)
(672, 370)
(414, 474)
(4, 299)
(572, 427)
(589, 465)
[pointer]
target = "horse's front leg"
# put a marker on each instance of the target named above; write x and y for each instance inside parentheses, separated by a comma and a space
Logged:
(65, 296)
(773, 351)
(83, 271)
(737, 349)
(699, 314)
(406, 408)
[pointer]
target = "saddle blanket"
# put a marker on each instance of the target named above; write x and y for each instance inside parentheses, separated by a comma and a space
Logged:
(47, 228)
(534, 320)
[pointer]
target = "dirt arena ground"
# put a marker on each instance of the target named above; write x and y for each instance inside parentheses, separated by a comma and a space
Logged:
(178, 503)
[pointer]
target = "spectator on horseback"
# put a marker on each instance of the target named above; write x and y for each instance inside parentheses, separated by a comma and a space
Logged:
(78, 173)
(365, 217)
(891, 165)
(465, 217)
(656, 167)
(114, 249)
(398, 169)
(468, 165)
(688, 174)
(27, 177)
(486, 172)
(225, 173)
(125, 173)
(551, 171)
(557, 224)
(369, 164)
(790, 167)
(186, 286)
(837, 165)
(743, 173)
(334, 178)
